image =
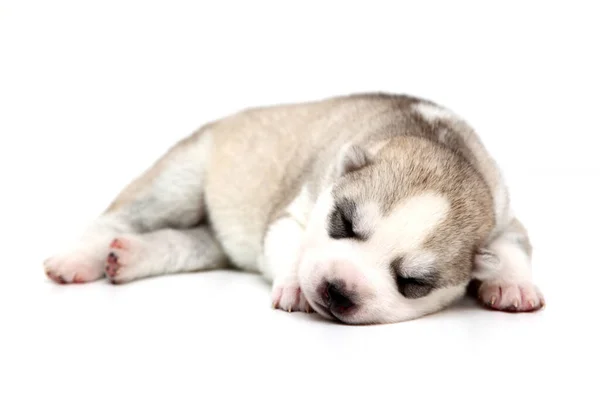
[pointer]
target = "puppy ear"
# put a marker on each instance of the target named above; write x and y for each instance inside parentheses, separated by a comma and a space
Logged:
(352, 158)
(486, 264)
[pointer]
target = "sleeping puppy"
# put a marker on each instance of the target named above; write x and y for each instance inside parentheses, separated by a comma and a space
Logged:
(368, 208)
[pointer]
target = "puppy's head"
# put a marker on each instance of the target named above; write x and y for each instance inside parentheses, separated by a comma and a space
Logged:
(394, 235)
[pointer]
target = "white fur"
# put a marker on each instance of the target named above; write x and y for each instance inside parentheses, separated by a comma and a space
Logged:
(442, 134)
(165, 251)
(419, 264)
(300, 207)
(513, 265)
(284, 237)
(297, 254)
(501, 204)
(181, 183)
(369, 215)
(410, 223)
(432, 112)
(83, 260)
(282, 248)
(401, 309)
(365, 266)
(507, 276)
(240, 246)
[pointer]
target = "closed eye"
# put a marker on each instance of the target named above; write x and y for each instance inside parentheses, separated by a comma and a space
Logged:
(340, 224)
(413, 288)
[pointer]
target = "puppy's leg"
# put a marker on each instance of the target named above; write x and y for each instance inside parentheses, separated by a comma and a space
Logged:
(504, 272)
(166, 251)
(169, 194)
(280, 264)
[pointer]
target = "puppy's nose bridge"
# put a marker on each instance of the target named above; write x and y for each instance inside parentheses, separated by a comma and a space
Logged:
(348, 274)
(340, 267)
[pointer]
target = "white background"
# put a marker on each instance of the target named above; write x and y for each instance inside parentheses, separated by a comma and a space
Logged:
(92, 92)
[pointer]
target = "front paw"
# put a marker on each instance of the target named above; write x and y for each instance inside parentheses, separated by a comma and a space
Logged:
(511, 297)
(287, 295)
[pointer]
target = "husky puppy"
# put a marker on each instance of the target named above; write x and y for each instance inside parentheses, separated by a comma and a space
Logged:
(366, 208)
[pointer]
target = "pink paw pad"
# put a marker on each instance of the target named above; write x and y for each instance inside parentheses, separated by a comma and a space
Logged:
(112, 266)
(511, 297)
(118, 244)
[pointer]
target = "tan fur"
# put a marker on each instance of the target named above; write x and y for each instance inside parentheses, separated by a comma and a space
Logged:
(133, 189)
(283, 140)
(262, 156)
(267, 183)
(408, 166)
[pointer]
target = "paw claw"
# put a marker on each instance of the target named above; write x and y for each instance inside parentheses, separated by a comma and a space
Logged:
(510, 296)
(288, 297)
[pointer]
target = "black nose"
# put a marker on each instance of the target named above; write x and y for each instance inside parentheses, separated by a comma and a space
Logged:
(336, 298)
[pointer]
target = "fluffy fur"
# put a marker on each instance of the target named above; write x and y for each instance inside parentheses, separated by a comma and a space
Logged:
(369, 208)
